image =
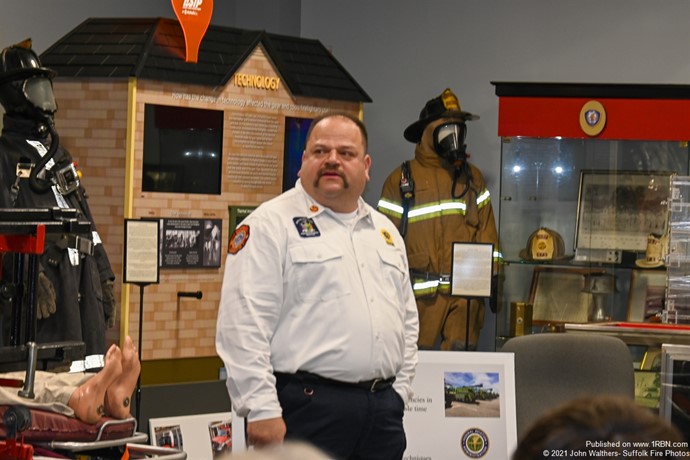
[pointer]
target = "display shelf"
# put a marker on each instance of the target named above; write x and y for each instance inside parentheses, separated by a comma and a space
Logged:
(651, 335)
(592, 164)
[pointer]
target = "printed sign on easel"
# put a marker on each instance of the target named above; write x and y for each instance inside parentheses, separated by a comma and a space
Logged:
(468, 400)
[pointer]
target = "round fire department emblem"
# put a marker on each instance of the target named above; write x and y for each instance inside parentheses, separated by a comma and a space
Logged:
(475, 443)
(592, 118)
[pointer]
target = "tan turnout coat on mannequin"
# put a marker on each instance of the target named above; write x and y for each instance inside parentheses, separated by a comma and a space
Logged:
(430, 237)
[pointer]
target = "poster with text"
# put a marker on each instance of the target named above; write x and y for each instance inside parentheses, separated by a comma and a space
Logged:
(468, 400)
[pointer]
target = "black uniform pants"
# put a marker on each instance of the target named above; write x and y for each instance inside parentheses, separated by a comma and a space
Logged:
(346, 422)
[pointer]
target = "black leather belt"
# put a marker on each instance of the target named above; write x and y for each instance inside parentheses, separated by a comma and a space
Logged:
(371, 385)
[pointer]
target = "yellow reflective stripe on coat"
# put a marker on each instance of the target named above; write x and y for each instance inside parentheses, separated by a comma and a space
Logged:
(483, 198)
(423, 287)
(433, 209)
(390, 208)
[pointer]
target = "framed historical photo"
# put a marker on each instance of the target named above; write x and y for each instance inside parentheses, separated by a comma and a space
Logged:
(647, 293)
(471, 270)
(558, 295)
(201, 436)
(617, 210)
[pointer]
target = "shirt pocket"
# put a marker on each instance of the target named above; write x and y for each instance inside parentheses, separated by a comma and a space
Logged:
(319, 272)
(392, 270)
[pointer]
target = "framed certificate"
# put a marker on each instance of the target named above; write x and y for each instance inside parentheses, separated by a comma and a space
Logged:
(472, 269)
(141, 251)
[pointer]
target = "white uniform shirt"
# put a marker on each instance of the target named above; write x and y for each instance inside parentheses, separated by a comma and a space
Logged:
(308, 292)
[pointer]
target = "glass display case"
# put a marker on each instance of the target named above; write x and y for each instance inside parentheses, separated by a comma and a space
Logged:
(586, 181)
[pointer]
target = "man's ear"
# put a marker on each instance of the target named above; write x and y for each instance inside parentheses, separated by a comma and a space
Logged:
(367, 164)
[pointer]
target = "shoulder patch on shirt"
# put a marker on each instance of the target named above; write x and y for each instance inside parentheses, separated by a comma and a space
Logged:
(306, 227)
(388, 237)
(238, 239)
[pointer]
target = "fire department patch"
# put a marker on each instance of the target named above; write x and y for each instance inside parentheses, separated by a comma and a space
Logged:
(306, 227)
(238, 239)
(387, 236)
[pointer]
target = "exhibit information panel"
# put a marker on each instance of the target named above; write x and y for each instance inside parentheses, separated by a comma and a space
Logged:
(463, 407)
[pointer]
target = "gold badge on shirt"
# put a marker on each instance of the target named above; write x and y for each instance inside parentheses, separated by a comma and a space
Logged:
(387, 236)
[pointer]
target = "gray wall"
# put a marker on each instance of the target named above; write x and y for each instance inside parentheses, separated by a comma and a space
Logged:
(46, 21)
(404, 52)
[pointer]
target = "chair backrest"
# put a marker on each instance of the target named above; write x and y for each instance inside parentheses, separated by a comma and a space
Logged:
(554, 368)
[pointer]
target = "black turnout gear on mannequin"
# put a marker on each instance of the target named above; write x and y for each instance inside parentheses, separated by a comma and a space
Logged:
(77, 273)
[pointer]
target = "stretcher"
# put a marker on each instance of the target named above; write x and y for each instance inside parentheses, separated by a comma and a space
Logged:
(32, 434)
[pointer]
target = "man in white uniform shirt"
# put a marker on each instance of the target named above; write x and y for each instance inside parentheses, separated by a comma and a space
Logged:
(317, 324)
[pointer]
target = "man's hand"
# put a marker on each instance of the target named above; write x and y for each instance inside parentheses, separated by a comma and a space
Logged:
(45, 297)
(263, 433)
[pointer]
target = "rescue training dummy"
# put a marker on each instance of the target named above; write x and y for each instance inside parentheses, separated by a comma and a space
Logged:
(436, 199)
(83, 395)
(74, 289)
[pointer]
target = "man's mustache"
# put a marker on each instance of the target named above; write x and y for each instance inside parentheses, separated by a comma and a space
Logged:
(331, 170)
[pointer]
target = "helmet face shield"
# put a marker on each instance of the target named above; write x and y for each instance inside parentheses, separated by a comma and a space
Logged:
(449, 141)
(39, 92)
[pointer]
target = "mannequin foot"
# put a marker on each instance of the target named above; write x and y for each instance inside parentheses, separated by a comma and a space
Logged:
(119, 395)
(87, 400)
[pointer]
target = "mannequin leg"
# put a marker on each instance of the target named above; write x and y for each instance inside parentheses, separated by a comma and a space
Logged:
(118, 395)
(87, 400)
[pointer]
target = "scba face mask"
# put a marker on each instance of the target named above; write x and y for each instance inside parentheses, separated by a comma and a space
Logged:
(39, 92)
(449, 142)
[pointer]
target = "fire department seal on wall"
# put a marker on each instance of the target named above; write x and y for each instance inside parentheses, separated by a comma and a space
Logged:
(592, 118)
(475, 443)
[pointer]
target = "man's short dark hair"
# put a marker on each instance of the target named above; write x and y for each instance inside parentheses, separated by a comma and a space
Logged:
(349, 116)
(614, 420)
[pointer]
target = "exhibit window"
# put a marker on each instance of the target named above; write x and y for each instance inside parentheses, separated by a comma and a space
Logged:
(182, 150)
(296, 130)
(586, 183)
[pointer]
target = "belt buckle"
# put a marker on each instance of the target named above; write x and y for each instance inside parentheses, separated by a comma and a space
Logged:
(373, 385)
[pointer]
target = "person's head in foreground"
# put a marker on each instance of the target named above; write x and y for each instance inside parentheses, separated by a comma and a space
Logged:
(594, 426)
(289, 450)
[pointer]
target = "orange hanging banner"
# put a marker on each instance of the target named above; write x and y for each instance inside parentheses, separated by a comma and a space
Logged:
(194, 17)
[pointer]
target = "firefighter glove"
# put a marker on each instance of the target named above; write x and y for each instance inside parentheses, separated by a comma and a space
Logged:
(45, 296)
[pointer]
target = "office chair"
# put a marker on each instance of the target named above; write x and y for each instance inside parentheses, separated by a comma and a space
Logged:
(554, 368)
